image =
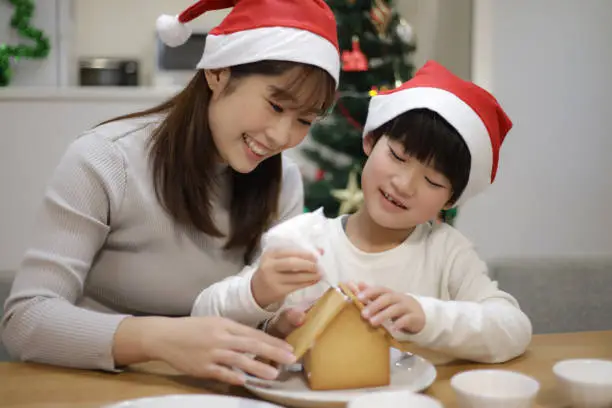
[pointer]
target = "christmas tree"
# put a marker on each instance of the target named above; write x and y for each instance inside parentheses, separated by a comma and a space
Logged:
(376, 45)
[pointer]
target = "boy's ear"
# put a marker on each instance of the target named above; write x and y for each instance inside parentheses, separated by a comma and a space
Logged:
(217, 79)
(368, 144)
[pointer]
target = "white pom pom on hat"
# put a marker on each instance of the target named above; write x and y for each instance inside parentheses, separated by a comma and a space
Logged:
(171, 31)
(257, 30)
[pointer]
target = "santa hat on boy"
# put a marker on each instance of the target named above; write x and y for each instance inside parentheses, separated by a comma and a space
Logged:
(255, 30)
(472, 111)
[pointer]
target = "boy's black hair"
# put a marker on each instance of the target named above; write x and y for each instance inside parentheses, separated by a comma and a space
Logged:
(429, 138)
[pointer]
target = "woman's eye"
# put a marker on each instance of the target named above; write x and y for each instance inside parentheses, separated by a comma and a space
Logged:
(277, 108)
(305, 122)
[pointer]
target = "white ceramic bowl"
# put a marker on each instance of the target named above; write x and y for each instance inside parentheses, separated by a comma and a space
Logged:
(494, 389)
(394, 399)
(585, 383)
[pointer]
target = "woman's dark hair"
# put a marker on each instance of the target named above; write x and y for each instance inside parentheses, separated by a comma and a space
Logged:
(429, 138)
(183, 156)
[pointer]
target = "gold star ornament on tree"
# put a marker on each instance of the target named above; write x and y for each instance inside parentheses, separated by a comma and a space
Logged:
(351, 197)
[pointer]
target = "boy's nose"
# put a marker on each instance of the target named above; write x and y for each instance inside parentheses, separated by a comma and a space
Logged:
(405, 183)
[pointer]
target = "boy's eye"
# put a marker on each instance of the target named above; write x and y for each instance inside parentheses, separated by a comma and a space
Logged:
(395, 155)
(433, 183)
(277, 108)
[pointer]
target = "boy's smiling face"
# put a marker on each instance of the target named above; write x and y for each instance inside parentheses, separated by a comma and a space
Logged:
(401, 192)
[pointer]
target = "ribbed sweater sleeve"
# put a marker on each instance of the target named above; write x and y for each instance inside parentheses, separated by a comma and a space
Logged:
(41, 322)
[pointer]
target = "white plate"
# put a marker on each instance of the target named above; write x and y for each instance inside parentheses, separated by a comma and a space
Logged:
(415, 374)
(192, 401)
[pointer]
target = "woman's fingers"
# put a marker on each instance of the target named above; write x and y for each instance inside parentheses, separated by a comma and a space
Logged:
(222, 374)
(257, 336)
(260, 349)
(245, 363)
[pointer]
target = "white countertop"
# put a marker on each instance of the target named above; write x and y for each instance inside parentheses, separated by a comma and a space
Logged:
(85, 93)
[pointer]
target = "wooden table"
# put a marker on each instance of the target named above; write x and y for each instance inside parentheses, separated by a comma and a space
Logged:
(31, 385)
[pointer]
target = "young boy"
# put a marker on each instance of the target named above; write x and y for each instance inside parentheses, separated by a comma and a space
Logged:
(431, 144)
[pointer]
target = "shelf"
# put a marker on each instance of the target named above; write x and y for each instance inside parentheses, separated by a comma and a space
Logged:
(86, 93)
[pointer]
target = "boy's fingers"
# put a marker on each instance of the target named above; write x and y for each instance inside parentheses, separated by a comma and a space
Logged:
(370, 293)
(291, 265)
(352, 287)
(382, 302)
(393, 312)
(362, 286)
(293, 253)
(404, 323)
(299, 278)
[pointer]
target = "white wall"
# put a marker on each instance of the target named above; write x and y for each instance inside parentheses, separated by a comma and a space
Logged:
(548, 62)
(443, 30)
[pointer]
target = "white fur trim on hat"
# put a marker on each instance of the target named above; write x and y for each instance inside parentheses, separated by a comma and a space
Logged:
(270, 43)
(459, 114)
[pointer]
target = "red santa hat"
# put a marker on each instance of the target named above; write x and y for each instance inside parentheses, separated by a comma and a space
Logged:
(255, 30)
(472, 111)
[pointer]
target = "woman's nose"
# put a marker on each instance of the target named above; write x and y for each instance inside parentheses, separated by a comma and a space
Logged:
(279, 133)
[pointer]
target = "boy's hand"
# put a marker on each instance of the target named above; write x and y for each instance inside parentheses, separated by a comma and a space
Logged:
(384, 304)
(282, 272)
(287, 321)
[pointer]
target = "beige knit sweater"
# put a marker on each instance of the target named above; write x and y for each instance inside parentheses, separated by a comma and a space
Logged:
(104, 249)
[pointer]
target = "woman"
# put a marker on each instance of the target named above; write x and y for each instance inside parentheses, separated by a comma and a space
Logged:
(146, 210)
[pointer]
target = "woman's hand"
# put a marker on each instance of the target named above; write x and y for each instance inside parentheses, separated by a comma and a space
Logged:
(210, 347)
(282, 272)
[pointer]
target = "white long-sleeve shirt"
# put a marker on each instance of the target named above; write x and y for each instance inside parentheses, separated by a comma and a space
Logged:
(103, 249)
(467, 316)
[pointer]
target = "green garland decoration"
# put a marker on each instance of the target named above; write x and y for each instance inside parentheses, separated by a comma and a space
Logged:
(24, 9)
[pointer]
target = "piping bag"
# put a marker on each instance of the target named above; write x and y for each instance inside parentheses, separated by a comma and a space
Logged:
(303, 234)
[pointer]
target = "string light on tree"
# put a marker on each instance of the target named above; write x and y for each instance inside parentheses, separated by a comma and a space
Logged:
(351, 197)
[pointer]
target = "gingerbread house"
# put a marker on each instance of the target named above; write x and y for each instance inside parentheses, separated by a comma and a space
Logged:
(338, 348)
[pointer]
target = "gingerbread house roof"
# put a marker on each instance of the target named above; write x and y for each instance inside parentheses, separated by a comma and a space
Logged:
(321, 315)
